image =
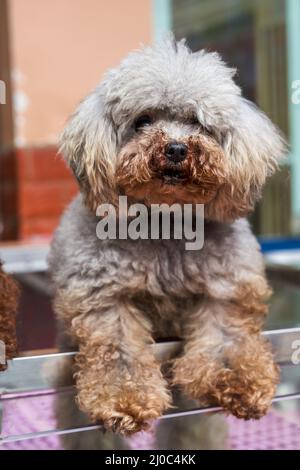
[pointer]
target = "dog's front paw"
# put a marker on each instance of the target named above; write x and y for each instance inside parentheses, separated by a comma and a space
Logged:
(242, 394)
(126, 409)
(241, 385)
(130, 417)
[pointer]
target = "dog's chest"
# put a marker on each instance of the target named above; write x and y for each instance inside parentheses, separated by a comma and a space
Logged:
(167, 313)
(173, 286)
(171, 271)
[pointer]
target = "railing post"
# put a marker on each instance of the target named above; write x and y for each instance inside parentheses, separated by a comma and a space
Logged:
(293, 56)
(162, 18)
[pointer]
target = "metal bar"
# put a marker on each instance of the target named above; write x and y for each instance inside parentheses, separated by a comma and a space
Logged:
(36, 393)
(24, 258)
(59, 432)
(29, 373)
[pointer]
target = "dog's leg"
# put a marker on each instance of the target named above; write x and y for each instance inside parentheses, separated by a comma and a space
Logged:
(68, 415)
(226, 361)
(118, 379)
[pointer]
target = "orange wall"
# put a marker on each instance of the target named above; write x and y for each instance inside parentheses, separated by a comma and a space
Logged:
(60, 49)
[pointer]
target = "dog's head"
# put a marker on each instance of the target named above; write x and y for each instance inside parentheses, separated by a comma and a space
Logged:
(169, 125)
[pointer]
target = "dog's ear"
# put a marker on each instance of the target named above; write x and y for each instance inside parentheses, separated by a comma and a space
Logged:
(253, 148)
(88, 145)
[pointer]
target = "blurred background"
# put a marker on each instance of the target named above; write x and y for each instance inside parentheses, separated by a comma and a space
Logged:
(53, 52)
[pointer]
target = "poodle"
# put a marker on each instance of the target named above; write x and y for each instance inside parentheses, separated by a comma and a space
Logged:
(167, 126)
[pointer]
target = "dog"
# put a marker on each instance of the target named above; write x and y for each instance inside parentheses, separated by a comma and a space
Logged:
(166, 126)
(9, 294)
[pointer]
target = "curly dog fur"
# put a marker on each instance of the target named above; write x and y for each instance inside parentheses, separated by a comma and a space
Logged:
(8, 306)
(116, 297)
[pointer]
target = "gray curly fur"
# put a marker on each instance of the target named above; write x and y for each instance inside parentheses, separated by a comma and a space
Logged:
(116, 296)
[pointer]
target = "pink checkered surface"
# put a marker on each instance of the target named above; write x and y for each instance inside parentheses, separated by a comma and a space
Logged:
(20, 416)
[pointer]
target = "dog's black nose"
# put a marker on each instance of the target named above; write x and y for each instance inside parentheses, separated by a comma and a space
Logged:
(176, 152)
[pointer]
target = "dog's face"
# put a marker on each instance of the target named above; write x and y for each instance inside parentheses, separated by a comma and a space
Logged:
(171, 126)
(170, 158)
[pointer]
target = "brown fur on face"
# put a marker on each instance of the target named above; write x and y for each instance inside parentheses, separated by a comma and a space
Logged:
(143, 165)
(8, 306)
(209, 176)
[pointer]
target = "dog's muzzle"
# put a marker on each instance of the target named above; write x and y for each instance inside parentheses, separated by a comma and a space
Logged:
(175, 153)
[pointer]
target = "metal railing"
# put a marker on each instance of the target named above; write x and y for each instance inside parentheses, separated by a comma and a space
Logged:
(27, 377)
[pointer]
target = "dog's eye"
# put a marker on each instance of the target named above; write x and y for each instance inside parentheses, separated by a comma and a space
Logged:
(194, 121)
(142, 121)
